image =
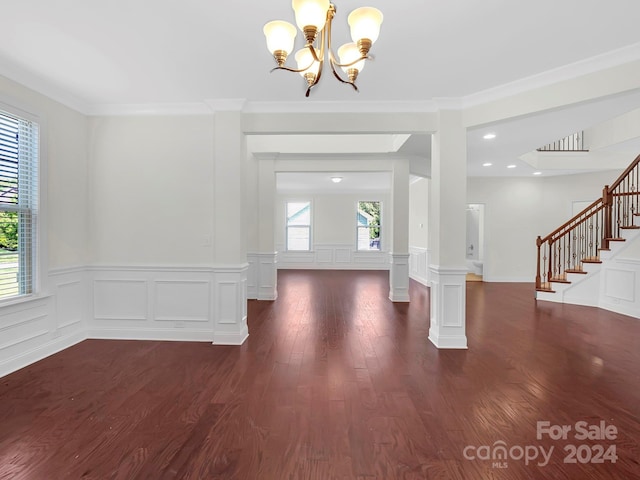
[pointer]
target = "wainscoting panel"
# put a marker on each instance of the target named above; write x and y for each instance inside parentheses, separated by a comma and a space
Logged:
(34, 328)
(333, 257)
(619, 286)
(120, 299)
(152, 303)
(262, 276)
(419, 265)
(182, 301)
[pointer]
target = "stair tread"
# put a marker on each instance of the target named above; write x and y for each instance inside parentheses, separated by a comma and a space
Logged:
(575, 270)
(604, 249)
(559, 280)
(630, 227)
(591, 260)
(545, 287)
(616, 239)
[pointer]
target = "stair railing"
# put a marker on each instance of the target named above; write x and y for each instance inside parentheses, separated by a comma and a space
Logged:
(580, 240)
(624, 200)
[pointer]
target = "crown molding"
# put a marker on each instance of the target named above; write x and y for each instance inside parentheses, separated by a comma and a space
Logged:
(604, 61)
(341, 107)
(195, 108)
(226, 104)
(43, 87)
(448, 103)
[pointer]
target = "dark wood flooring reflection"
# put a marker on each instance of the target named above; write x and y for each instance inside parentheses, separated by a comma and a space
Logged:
(337, 382)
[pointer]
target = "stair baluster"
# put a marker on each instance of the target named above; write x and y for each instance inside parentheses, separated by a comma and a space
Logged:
(580, 240)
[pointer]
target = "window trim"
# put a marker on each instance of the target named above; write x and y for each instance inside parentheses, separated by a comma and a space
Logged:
(286, 224)
(358, 227)
(40, 247)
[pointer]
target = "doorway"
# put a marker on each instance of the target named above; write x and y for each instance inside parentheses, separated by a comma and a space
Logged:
(475, 242)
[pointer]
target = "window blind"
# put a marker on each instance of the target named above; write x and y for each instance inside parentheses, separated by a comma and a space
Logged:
(18, 204)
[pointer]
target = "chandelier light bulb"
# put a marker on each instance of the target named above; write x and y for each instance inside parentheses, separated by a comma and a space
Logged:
(309, 66)
(365, 27)
(348, 54)
(280, 39)
(310, 13)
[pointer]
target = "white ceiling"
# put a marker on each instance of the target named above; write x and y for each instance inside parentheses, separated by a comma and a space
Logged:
(138, 51)
(320, 182)
(92, 55)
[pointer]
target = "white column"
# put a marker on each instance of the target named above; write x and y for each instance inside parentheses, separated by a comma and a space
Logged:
(267, 255)
(399, 271)
(230, 242)
(447, 231)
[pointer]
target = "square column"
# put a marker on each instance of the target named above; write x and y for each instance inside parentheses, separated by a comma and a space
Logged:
(399, 271)
(230, 226)
(447, 231)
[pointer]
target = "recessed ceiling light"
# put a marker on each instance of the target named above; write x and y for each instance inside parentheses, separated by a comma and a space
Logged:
(489, 136)
(336, 179)
(537, 173)
(488, 164)
(511, 166)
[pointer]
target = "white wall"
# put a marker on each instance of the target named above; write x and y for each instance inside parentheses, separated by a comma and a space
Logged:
(151, 181)
(519, 209)
(419, 213)
(152, 239)
(333, 232)
(54, 317)
(419, 230)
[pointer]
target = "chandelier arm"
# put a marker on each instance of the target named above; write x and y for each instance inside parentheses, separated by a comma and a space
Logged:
(367, 57)
(335, 74)
(289, 69)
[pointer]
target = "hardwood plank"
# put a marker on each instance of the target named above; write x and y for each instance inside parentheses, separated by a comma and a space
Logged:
(335, 382)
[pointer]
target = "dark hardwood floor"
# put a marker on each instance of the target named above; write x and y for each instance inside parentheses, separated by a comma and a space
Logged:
(337, 382)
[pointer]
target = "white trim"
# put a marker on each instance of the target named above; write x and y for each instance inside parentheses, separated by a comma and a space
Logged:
(406, 106)
(596, 63)
(448, 270)
(448, 307)
(399, 277)
(63, 97)
(231, 338)
(226, 104)
(627, 54)
(161, 334)
(40, 242)
(45, 350)
(106, 110)
(499, 279)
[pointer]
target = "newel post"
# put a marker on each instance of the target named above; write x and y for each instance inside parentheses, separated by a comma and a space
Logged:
(608, 205)
(538, 278)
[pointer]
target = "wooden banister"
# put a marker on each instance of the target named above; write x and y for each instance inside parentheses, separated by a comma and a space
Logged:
(566, 224)
(580, 239)
(624, 174)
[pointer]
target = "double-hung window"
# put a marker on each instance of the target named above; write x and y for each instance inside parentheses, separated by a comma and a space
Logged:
(18, 204)
(368, 226)
(299, 226)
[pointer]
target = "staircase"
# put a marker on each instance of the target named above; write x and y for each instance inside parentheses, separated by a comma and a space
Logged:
(572, 254)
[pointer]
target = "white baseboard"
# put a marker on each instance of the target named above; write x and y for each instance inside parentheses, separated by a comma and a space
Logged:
(43, 351)
(168, 334)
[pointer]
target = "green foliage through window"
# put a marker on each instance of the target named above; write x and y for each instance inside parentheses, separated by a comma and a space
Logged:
(9, 230)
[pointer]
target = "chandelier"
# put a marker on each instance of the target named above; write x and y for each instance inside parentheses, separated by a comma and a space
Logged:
(314, 17)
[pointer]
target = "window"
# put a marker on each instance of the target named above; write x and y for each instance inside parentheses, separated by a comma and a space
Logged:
(368, 226)
(299, 226)
(18, 202)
